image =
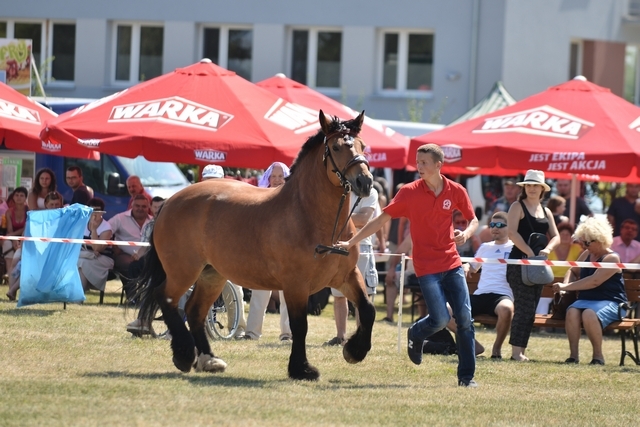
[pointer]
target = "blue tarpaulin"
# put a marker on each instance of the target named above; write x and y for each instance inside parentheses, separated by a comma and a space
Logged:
(50, 270)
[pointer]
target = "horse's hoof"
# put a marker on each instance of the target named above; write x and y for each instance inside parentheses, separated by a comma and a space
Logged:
(352, 353)
(306, 373)
(184, 367)
(183, 364)
(209, 363)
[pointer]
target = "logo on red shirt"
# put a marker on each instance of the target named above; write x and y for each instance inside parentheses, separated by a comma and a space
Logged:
(446, 205)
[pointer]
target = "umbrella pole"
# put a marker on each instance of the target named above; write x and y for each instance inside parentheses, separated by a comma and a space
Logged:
(573, 197)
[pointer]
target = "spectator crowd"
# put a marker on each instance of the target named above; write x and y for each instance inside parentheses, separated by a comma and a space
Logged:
(395, 224)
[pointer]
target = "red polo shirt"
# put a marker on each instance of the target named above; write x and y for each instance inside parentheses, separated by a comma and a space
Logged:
(431, 219)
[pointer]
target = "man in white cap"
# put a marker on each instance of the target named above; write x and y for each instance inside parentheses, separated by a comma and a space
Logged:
(211, 172)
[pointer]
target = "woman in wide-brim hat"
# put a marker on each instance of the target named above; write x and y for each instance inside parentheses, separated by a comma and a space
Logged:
(527, 216)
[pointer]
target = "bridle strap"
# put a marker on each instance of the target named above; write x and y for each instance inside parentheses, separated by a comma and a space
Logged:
(344, 183)
(357, 159)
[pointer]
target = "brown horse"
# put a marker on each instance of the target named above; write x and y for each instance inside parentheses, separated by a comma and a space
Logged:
(263, 238)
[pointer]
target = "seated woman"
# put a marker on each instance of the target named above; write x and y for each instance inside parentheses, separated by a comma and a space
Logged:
(16, 218)
(566, 250)
(93, 263)
(53, 200)
(601, 289)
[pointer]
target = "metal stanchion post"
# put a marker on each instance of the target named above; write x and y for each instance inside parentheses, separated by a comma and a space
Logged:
(400, 300)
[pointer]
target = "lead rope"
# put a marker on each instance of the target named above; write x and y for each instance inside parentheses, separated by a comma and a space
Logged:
(324, 249)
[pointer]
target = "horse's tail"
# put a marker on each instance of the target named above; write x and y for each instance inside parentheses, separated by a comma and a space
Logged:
(152, 276)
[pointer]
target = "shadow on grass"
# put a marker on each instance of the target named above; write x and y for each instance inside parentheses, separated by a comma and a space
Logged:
(346, 384)
(203, 379)
(31, 312)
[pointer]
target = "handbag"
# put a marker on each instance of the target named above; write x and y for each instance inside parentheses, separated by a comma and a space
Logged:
(561, 302)
(537, 242)
(533, 275)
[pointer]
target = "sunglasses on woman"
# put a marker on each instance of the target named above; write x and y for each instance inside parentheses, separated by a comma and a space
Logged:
(497, 225)
(587, 243)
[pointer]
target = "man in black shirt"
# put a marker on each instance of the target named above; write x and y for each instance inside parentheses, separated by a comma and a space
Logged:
(74, 180)
(563, 187)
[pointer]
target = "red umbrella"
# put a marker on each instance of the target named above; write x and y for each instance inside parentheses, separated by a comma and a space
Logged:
(198, 114)
(385, 147)
(21, 120)
(573, 128)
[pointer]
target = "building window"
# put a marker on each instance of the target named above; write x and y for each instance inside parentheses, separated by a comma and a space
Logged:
(407, 61)
(31, 31)
(316, 58)
(151, 41)
(631, 75)
(299, 57)
(211, 44)
(575, 60)
(230, 48)
(63, 52)
(53, 46)
(138, 52)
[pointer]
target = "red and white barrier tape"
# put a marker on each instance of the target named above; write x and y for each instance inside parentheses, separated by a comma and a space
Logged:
(622, 265)
(63, 240)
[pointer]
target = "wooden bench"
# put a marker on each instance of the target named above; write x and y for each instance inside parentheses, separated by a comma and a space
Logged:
(628, 327)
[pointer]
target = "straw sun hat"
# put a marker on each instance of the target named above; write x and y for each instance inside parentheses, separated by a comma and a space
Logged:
(534, 177)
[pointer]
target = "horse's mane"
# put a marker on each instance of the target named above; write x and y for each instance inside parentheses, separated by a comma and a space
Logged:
(350, 126)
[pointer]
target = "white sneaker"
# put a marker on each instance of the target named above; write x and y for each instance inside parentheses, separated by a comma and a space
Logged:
(239, 334)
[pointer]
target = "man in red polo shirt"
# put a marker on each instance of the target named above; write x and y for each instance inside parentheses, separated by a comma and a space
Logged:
(428, 204)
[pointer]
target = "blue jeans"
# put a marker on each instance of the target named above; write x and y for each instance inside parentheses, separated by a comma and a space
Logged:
(438, 289)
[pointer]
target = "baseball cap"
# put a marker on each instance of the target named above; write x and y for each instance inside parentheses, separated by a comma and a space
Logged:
(212, 171)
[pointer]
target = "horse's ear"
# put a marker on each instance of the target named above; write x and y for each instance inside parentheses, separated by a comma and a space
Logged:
(359, 120)
(324, 123)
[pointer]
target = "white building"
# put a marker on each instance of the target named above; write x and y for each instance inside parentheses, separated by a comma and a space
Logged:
(399, 60)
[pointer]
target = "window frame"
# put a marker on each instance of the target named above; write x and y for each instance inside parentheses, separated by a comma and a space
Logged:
(223, 43)
(579, 57)
(312, 56)
(636, 94)
(134, 69)
(43, 35)
(403, 63)
(47, 78)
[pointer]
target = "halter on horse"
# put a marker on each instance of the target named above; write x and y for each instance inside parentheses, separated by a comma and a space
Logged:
(222, 230)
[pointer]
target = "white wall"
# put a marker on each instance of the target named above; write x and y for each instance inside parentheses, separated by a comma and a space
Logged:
(269, 50)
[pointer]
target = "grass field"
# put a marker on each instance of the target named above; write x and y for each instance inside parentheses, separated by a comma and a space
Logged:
(79, 367)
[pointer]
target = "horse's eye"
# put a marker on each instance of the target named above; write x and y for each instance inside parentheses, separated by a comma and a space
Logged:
(336, 147)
